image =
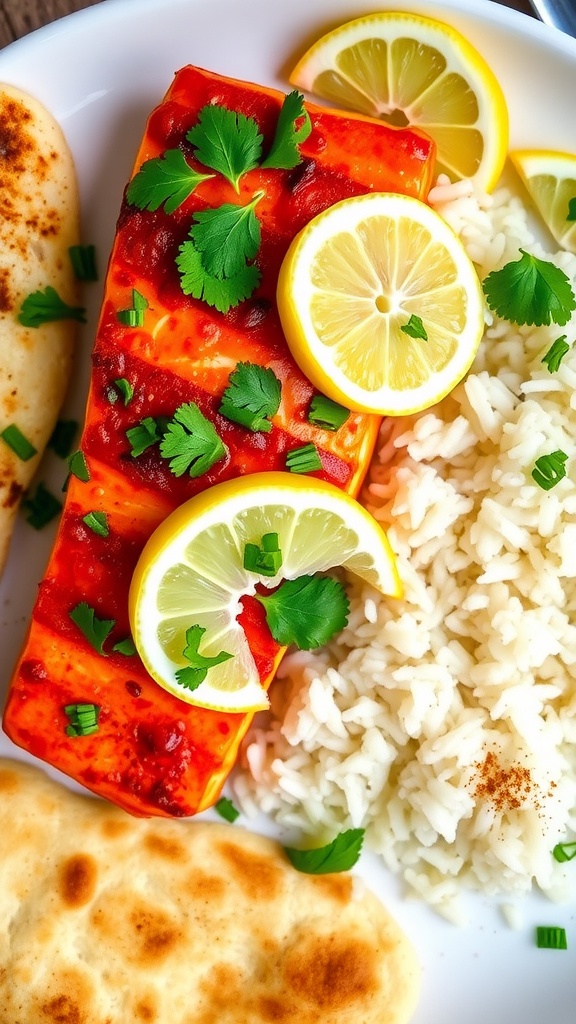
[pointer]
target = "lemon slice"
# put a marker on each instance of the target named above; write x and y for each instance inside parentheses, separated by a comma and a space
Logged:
(191, 572)
(550, 179)
(413, 70)
(354, 286)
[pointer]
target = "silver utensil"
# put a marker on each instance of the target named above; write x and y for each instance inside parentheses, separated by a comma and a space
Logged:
(559, 13)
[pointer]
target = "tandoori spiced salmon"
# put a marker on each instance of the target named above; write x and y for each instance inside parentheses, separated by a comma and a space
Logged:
(156, 350)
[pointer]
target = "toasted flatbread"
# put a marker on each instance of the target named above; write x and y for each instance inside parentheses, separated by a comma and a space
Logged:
(109, 919)
(39, 220)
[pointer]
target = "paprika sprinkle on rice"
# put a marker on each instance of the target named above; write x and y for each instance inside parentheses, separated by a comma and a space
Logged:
(505, 787)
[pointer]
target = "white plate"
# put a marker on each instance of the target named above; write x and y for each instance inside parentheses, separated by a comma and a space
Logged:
(100, 72)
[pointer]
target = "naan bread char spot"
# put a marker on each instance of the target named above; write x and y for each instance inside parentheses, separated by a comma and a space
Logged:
(39, 221)
(108, 919)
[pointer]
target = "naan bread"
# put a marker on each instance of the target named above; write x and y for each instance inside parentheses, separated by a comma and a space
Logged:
(109, 919)
(39, 220)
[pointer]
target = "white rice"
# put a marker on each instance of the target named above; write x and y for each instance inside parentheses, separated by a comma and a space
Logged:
(445, 723)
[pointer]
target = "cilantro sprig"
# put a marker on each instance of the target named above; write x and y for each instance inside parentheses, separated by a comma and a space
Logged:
(293, 128)
(226, 141)
(42, 307)
(95, 630)
(530, 291)
(196, 671)
(191, 442)
(252, 397)
(307, 611)
(166, 181)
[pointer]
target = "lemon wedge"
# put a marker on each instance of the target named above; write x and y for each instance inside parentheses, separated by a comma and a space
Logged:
(412, 70)
(550, 179)
(191, 573)
(380, 304)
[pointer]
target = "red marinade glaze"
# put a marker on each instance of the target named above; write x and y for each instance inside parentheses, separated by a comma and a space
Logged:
(154, 754)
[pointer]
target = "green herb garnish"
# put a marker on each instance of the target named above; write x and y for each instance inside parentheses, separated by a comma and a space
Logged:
(339, 855)
(195, 673)
(325, 413)
(97, 522)
(83, 260)
(126, 647)
(43, 307)
(252, 397)
(83, 719)
(191, 442)
(415, 328)
(213, 263)
(226, 141)
(43, 507)
(304, 459)
(307, 611)
(165, 180)
(94, 629)
(18, 443)
(530, 291)
(550, 469)
(78, 466)
(143, 436)
(563, 852)
(551, 937)
(133, 316)
(62, 438)
(226, 809)
(265, 558)
(556, 353)
(126, 390)
(284, 152)
(571, 209)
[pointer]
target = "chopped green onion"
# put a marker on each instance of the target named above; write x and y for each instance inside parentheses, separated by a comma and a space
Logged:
(63, 437)
(551, 937)
(226, 809)
(43, 506)
(563, 852)
(143, 436)
(550, 469)
(325, 413)
(265, 559)
(78, 466)
(97, 522)
(83, 719)
(134, 315)
(83, 260)
(125, 388)
(303, 460)
(19, 444)
(556, 353)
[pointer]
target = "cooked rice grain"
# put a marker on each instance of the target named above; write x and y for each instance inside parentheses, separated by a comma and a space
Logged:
(445, 723)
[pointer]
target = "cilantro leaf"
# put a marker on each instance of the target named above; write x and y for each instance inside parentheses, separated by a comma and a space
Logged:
(191, 442)
(165, 180)
(252, 396)
(555, 354)
(94, 629)
(284, 152)
(571, 209)
(220, 293)
(43, 507)
(530, 291)
(415, 328)
(307, 611)
(192, 675)
(339, 855)
(43, 307)
(226, 237)
(226, 141)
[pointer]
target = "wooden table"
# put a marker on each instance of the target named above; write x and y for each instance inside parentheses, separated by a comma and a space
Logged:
(18, 17)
